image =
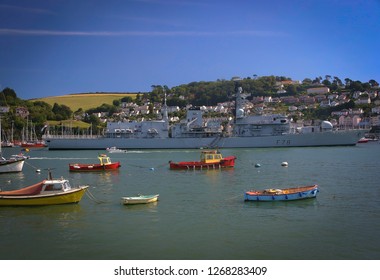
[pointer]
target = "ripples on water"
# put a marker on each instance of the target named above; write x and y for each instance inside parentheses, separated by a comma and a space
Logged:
(201, 214)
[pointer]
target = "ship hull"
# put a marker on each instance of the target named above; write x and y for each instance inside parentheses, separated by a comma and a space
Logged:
(329, 138)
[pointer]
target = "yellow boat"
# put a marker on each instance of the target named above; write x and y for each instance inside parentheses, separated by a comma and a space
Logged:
(46, 192)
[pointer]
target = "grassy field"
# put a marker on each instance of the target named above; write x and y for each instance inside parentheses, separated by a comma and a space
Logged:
(85, 101)
(69, 123)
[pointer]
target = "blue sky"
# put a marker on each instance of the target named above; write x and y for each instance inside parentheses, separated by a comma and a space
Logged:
(57, 47)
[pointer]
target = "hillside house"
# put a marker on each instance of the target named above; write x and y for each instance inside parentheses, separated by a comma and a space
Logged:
(318, 90)
(356, 120)
(257, 99)
(357, 94)
(332, 96)
(373, 94)
(320, 97)
(173, 109)
(22, 112)
(363, 99)
(357, 111)
(343, 112)
(289, 100)
(268, 99)
(375, 110)
(375, 120)
(305, 99)
(345, 121)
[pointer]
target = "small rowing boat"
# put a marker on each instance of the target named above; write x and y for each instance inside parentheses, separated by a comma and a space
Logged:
(140, 199)
(282, 194)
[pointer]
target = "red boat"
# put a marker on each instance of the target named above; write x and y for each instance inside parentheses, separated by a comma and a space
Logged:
(211, 159)
(104, 164)
(38, 144)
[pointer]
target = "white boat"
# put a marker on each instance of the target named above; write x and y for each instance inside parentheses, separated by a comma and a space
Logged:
(13, 164)
(140, 199)
(244, 131)
(113, 150)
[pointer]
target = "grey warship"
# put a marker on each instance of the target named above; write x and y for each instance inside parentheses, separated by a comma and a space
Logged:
(195, 132)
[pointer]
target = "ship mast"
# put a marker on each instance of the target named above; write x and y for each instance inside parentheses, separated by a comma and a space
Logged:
(165, 116)
(239, 108)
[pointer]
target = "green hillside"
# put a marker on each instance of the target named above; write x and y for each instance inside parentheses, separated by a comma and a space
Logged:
(85, 100)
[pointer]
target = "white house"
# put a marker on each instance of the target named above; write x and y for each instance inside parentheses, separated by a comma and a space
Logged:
(318, 90)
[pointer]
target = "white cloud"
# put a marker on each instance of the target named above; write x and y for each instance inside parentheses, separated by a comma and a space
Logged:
(31, 32)
(25, 9)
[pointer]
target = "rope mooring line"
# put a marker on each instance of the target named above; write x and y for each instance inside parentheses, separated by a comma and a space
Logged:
(31, 165)
(92, 197)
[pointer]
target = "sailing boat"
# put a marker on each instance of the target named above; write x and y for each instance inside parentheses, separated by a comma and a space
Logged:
(31, 141)
(14, 164)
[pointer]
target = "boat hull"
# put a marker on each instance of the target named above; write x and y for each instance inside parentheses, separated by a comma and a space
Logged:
(282, 194)
(328, 138)
(33, 145)
(76, 167)
(143, 199)
(67, 197)
(11, 166)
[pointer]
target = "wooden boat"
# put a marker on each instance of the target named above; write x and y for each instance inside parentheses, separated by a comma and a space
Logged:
(282, 194)
(140, 199)
(47, 192)
(210, 159)
(113, 150)
(104, 164)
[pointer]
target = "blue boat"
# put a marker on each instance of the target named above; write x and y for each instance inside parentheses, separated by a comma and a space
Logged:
(282, 194)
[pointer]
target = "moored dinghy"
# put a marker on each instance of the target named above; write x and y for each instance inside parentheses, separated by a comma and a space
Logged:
(140, 199)
(282, 194)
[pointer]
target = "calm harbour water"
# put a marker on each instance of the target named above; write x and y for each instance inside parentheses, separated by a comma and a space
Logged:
(201, 214)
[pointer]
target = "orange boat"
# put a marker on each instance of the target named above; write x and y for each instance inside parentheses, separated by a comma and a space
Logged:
(211, 159)
(104, 164)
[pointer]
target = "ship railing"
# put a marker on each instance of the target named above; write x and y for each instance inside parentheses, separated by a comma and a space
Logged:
(72, 136)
